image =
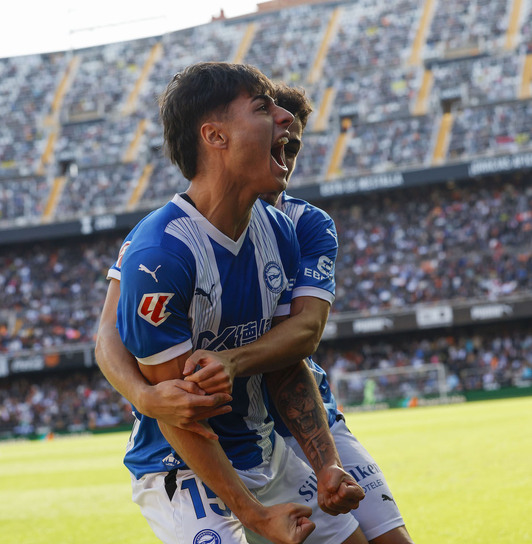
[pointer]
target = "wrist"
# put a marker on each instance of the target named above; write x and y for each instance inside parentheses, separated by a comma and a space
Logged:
(253, 516)
(230, 358)
(142, 399)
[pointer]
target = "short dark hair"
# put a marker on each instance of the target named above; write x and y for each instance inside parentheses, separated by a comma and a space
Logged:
(294, 100)
(201, 89)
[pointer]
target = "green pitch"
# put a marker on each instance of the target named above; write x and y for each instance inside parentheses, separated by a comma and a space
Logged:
(460, 474)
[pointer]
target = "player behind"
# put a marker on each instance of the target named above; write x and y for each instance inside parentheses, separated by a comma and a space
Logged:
(223, 266)
(313, 295)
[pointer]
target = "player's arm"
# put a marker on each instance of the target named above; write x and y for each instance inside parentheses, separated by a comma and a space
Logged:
(297, 399)
(175, 402)
(283, 523)
(291, 340)
(299, 336)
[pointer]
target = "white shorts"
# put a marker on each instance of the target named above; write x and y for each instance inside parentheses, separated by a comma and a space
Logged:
(378, 512)
(181, 510)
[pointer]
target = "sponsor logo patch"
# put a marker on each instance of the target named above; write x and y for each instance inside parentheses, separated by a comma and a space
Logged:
(170, 461)
(143, 268)
(152, 307)
(386, 498)
(201, 292)
(325, 266)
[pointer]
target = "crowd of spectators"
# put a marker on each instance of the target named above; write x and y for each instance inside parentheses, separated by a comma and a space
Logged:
(420, 245)
(478, 81)
(75, 402)
(105, 77)
(53, 293)
(313, 158)
(467, 25)
(486, 359)
(23, 199)
(96, 143)
(27, 89)
(105, 189)
(367, 63)
(377, 95)
(491, 130)
(428, 243)
(397, 249)
(372, 34)
(286, 43)
(165, 180)
(397, 143)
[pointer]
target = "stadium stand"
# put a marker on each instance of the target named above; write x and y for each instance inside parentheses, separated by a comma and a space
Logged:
(419, 148)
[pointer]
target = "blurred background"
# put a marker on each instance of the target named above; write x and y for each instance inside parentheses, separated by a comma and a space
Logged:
(419, 147)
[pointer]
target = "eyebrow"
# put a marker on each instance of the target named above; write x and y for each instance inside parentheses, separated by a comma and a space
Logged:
(266, 97)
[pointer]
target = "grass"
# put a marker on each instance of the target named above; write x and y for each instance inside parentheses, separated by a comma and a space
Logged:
(460, 474)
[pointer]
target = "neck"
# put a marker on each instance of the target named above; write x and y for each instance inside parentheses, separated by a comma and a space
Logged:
(224, 205)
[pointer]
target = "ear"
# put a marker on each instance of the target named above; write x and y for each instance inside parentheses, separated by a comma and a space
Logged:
(213, 135)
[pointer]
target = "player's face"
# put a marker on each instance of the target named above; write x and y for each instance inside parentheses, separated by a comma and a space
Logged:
(257, 130)
(291, 151)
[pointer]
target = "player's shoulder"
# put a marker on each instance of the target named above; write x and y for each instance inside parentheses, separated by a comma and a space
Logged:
(160, 217)
(277, 218)
(151, 229)
(303, 212)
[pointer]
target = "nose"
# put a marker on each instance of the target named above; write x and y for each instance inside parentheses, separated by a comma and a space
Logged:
(283, 117)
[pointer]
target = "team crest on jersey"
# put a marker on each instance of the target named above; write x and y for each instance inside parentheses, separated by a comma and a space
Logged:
(121, 254)
(207, 536)
(273, 276)
(152, 307)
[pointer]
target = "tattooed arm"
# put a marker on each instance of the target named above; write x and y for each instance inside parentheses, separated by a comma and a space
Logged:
(296, 397)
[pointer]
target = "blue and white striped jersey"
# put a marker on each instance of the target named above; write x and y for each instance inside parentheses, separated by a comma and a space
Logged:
(185, 285)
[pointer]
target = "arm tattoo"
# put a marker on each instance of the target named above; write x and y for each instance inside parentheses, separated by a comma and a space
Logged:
(300, 406)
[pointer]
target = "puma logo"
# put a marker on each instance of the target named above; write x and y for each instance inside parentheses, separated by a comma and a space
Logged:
(200, 291)
(142, 268)
(386, 498)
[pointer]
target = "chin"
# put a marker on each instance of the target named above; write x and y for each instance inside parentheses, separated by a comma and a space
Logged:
(270, 198)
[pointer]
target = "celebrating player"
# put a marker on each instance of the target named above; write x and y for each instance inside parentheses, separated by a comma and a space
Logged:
(211, 269)
(378, 513)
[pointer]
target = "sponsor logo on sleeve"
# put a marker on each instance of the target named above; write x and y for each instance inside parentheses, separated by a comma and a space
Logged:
(152, 307)
(333, 234)
(325, 265)
(152, 273)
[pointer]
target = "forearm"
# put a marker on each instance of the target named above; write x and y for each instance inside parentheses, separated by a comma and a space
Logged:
(297, 399)
(209, 462)
(275, 350)
(291, 339)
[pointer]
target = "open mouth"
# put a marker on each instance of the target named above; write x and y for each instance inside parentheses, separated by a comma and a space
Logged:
(277, 152)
